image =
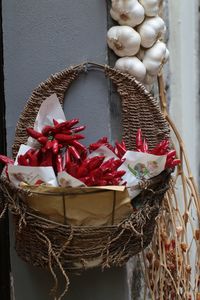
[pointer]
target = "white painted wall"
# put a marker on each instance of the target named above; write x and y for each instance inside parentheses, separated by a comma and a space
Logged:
(184, 85)
(184, 74)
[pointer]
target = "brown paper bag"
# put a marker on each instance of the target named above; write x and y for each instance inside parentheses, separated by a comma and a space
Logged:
(94, 206)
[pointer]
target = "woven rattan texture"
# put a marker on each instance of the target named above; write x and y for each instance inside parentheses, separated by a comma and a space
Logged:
(46, 244)
(38, 239)
(139, 108)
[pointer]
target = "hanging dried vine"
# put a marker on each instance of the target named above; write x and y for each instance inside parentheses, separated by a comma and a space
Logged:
(172, 262)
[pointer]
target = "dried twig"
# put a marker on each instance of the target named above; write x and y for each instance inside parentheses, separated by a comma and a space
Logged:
(177, 238)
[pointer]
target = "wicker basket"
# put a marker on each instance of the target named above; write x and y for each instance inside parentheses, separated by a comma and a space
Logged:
(47, 244)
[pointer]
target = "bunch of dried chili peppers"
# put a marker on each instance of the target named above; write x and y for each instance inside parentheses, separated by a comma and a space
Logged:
(59, 146)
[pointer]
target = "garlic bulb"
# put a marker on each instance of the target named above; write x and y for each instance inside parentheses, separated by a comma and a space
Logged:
(148, 79)
(132, 66)
(155, 57)
(151, 30)
(166, 57)
(127, 12)
(151, 7)
(141, 54)
(123, 40)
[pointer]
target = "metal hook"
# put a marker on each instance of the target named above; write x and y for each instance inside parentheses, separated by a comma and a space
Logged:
(85, 67)
(88, 66)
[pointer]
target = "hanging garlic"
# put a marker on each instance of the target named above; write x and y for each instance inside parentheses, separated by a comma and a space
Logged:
(127, 12)
(151, 7)
(132, 66)
(148, 79)
(151, 30)
(123, 40)
(166, 57)
(141, 54)
(155, 57)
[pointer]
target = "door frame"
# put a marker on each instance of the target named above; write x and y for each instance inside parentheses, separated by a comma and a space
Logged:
(4, 222)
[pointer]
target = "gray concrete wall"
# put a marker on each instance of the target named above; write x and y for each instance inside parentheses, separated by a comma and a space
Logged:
(42, 37)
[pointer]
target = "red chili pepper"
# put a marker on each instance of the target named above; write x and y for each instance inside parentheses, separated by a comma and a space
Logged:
(139, 142)
(91, 181)
(78, 146)
(164, 145)
(33, 133)
(78, 136)
(123, 145)
(97, 173)
(82, 172)
(59, 163)
(103, 140)
(48, 130)
(63, 137)
(55, 123)
(49, 145)
(85, 162)
(168, 161)
(145, 146)
(78, 129)
(74, 153)
(101, 182)
(161, 148)
(107, 165)
(117, 174)
(43, 149)
(109, 146)
(117, 163)
(29, 153)
(55, 147)
(67, 159)
(174, 163)
(67, 138)
(83, 155)
(61, 126)
(42, 140)
(85, 179)
(172, 153)
(72, 122)
(99, 143)
(116, 181)
(68, 132)
(95, 162)
(94, 147)
(72, 169)
(108, 177)
(66, 125)
(47, 161)
(22, 161)
(6, 160)
(33, 158)
(120, 149)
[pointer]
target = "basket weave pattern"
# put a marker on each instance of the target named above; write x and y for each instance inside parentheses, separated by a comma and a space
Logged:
(44, 243)
(40, 241)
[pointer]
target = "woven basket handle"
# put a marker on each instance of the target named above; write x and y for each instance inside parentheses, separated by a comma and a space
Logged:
(139, 108)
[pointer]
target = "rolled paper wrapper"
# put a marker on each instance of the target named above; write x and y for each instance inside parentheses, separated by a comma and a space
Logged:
(32, 175)
(140, 166)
